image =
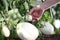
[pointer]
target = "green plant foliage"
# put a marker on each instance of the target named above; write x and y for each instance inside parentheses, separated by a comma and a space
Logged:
(14, 11)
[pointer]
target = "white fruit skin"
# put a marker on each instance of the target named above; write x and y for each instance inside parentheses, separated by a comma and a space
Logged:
(5, 31)
(27, 31)
(57, 24)
(48, 29)
(28, 17)
(12, 11)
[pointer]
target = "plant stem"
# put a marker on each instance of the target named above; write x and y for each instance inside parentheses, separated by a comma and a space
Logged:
(6, 4)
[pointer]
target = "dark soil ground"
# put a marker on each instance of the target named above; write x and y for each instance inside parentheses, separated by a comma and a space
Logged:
(44, 37)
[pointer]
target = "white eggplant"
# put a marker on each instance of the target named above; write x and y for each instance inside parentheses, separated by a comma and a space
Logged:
(48, 29)
(57, 24)
(28, 17)
(27, 31)
(5, 31)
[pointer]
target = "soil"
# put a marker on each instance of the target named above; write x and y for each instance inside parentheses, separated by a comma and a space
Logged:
(49, 37)
(44, 37)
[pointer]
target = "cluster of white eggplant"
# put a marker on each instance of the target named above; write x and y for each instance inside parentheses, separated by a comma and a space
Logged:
(24, 30)
(48, 28)
(28, 31)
